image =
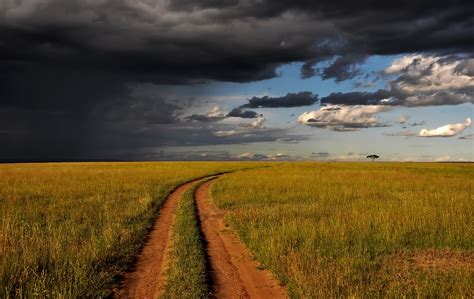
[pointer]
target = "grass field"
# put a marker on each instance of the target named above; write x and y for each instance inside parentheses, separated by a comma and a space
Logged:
(358, 229)
(71, 229)
(324, 229)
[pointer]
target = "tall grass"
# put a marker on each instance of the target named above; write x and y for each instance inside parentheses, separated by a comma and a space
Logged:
(358, 229)
(71, 229)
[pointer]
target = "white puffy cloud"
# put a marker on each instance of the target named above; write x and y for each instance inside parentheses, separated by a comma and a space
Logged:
(399, 65)
(216, 111)
(418, 80)
(423, 73)
(448, 130)
(343, 118)
(432, 80)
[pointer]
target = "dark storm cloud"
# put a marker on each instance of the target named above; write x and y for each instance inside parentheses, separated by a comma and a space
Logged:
(71, 139)
(304, 98)
(188, 41)
(239, 112)
(84, 129)
(308, 69)
(66, 66)
(343, 68)
(155, 110)
(356, 98)
(214, 116)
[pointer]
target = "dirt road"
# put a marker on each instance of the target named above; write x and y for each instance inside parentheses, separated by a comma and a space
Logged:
(148, 277)
(234, 273)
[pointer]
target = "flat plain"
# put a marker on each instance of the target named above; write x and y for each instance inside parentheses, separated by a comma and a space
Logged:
(72, 229)
(358, 229)
(322, 229)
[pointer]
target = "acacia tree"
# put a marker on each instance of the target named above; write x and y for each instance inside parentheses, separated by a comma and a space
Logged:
(373, 157)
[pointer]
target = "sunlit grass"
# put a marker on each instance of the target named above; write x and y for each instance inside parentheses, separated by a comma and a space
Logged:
(71, 229)
(354, 229)
(325, 229)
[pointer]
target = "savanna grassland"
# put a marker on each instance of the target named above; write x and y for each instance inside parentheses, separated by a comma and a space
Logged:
(71, 229)
(358, 229)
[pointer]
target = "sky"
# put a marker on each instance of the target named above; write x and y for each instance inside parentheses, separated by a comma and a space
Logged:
(236, 80)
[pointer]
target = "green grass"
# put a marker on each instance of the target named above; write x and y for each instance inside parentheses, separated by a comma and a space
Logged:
(71, 229)
(187, 276)
(358, 229)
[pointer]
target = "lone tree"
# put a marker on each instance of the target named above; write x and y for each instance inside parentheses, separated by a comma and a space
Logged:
(373, 157)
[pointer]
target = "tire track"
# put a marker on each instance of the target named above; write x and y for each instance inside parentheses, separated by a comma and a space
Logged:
(233, 272)
(148, 277)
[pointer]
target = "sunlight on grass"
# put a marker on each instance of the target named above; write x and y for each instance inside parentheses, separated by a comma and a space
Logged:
(71, 229)
(334, 229)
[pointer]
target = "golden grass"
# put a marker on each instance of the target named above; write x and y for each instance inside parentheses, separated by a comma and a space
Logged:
(71, 229)
(351, 229)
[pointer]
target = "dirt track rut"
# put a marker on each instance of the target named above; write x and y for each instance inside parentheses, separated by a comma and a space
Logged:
(148, 277)
(234, 273)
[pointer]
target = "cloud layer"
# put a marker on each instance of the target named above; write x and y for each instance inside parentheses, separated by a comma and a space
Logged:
(420, 80)
(304, 98)
(73, 71)
(345, 118)
(449, 130)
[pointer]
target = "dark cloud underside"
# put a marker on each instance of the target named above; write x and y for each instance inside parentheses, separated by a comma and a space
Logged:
(304, 98)
(356, 98)
(239, 112)
(68, 68)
